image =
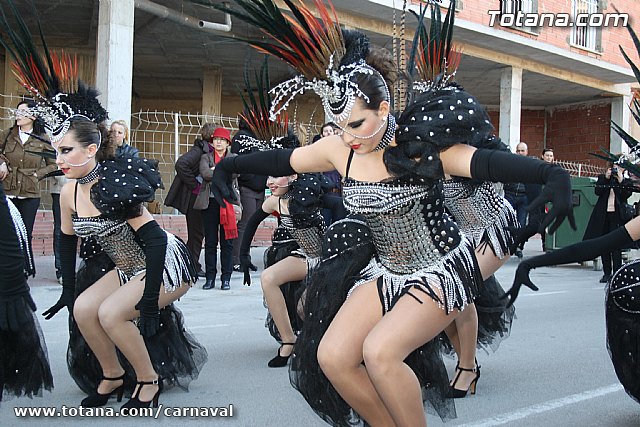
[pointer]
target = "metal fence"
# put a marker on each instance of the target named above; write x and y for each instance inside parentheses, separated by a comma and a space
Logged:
(581, 169)
(165, 136)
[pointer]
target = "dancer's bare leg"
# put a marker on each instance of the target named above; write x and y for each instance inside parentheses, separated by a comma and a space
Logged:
(85, 312)
(340, 354)
(115, 315)
(385, 348)
(287, 270)
(463, 332)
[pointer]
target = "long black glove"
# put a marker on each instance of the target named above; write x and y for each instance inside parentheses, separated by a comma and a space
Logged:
(499, 166)
(68, 246)
(13, 283)
(155, 248)
(272, 162)
(249, 231)
(579, 252)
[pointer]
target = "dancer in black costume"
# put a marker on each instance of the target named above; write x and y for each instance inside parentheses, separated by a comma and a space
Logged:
(622, 298)
(296, 200)
(484, 217)
(24, 366)
(425, 271)
(104, 202)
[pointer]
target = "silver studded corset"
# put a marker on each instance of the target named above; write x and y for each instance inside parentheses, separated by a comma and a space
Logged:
(117, 239)
(308, 232)
(410, 227)
(481, 213)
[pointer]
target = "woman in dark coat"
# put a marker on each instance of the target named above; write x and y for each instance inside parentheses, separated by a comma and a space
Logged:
(184, 189)
(612, 190)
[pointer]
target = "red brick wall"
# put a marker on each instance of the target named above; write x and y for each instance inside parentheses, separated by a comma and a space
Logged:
(477, 11)
(531, 128)
(42, 240)
(575, 131)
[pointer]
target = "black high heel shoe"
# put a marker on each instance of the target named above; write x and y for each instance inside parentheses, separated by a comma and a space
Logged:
(280, 361)
(135, 401)
(99, 399)
(457, 393)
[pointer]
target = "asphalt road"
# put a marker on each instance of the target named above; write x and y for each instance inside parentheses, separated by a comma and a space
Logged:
(554, 370)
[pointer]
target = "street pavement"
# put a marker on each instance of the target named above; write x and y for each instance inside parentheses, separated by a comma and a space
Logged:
(554, 369)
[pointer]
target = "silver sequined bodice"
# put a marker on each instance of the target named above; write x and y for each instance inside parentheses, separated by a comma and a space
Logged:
(117, 239)
(475, 206)
(410, 227)
(308, 233)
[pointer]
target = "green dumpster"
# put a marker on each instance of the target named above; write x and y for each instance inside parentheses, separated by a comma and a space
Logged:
(584, 199)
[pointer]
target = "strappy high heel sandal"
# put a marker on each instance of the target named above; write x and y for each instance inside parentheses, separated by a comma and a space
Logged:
(135, 401)
(98, 399)
(457, 393)
(280, 361)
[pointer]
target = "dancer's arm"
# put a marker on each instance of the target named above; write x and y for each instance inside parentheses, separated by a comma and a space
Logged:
(155, 248)
(250, 231)
(68, 248)
(579, 252)
(325, 155)
(499, 166)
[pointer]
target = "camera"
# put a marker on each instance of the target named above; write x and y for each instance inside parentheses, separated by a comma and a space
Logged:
(614, 171)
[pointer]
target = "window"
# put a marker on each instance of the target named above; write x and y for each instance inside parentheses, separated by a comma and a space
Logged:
(584, 36)
(515, 7)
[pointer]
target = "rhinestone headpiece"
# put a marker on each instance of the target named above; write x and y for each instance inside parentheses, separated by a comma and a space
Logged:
(338, 92)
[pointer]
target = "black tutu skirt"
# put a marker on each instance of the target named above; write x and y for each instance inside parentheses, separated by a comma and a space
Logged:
(282, 248)
(623, 326)
(333, 278)
(24, 365)
(175, 353)
(494, 318)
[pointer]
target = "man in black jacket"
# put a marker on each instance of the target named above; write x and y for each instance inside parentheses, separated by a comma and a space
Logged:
(251, 194)
(185, 188)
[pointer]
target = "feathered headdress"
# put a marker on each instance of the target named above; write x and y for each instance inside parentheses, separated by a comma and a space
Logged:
(267, 134)
(51, 78)
(434, 57)
(327, 57)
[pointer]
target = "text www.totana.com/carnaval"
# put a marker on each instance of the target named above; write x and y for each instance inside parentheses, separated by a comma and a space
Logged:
(169, 412)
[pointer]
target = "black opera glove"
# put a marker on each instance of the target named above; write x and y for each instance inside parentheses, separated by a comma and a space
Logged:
(521, 278)
(149, 321)
(245, 263)
(245, 246)
(500, 166)
(155, 248)
(271, 162)
(579, 252)
(68, 245)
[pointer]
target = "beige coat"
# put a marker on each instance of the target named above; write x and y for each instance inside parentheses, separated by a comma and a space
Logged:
(21, 181)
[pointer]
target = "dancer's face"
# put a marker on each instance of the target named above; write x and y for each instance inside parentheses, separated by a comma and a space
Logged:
(364, 128)
(279, 185)
(74, 160)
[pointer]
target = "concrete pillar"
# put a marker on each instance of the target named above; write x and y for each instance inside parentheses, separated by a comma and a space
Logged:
(211, 90)
(510, 106)
(621, 116)
(114, 57)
